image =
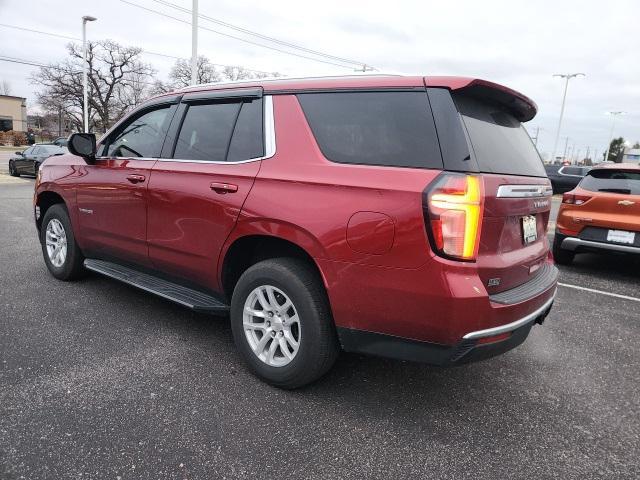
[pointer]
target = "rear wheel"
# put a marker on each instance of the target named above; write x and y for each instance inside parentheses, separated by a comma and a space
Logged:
(59, 248)
(282, 323)
(13, 171)
(561, 256)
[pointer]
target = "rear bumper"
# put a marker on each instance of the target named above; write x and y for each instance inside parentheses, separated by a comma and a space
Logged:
(577, 244)
(470, 349)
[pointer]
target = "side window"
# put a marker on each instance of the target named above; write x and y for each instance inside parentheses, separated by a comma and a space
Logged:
(141, 136)
(374, 128)
(572, 171)
(247, 141)
(206, 131)
(28, 151)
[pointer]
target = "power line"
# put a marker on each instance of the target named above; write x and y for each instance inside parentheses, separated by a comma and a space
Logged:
(259, 35)
(51, 34)
(235, 37)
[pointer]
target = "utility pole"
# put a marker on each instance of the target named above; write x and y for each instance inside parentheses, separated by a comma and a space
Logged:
(194, 43)
(566, 144)
(59, 122)
(567, 77)
(85, 94)
(614, 115)
(587, 155)
(535, 139)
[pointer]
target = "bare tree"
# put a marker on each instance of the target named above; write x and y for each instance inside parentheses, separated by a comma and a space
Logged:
(5, 88)
(181, 72)
(180, 75)
(117, 81)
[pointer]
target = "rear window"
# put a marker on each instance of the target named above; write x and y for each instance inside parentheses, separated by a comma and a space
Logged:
(499, 141)
(374, 128)
(614, 181)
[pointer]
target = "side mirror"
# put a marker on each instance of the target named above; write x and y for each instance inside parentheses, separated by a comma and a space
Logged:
(19, 153)
(83, 145)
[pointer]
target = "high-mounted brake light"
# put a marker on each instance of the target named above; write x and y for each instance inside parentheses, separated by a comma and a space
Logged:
(573, 199)
(453, 212)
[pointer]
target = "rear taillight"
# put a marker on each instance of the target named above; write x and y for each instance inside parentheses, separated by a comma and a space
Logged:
(453, 214)
(574, 199)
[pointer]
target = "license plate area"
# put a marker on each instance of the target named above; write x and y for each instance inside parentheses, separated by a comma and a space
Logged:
(621, 236)
(529, 229)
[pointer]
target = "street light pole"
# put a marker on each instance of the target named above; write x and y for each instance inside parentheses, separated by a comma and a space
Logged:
(194, 43)
(567, 77)
(85, 94)
(566, 144)
(613, 124)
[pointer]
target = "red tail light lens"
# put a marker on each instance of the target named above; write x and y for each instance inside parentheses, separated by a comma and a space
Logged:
(573, 199)
(453, 211)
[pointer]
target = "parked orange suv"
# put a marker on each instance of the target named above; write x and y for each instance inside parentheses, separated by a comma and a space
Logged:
(601, 214)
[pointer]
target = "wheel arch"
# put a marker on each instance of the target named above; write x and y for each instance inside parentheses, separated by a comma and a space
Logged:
(247, 250)
(45, 200)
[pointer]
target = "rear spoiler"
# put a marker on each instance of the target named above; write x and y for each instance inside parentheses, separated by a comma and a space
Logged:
(520, 106)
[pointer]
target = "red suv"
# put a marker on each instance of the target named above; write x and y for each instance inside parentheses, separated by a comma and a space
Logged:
(387, 215)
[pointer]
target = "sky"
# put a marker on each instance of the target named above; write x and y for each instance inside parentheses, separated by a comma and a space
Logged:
(520, 44)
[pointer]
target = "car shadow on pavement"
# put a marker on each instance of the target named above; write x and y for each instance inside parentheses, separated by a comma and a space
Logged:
(608, 266)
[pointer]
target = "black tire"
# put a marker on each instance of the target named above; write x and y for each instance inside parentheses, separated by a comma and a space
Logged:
(318, 348)
(72, 268)
(12, 170)
(561, 256)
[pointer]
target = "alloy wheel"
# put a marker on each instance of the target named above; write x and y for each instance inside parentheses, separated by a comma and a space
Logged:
(56, 242)
(271, 325)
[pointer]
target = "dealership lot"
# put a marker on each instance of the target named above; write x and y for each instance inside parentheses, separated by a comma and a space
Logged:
(99, 380)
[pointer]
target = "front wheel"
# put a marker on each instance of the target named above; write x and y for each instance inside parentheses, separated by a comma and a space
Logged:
(59, 248)
(282, 322)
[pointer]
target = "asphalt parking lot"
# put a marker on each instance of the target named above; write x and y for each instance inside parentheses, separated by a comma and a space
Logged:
(99, 380)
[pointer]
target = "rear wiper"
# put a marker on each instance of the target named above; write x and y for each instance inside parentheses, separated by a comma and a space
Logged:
(615, 190)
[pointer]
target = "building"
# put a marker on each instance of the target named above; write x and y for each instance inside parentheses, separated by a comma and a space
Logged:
(631, 155)
(13, 113)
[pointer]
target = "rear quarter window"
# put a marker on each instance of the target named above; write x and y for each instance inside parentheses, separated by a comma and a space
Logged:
(499, 141)
(614, 181)
(374, 128)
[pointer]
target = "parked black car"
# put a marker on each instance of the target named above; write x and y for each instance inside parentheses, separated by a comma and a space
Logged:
(565, 177)
(29, 161)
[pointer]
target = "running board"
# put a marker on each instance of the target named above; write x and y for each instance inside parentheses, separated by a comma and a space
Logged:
(188, 297)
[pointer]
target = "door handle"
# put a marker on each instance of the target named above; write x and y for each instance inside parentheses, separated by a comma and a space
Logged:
(135, 178)
(223, 188)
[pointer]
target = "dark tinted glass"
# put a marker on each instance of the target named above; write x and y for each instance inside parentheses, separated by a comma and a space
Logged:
(206, 131)
(50, 149)
(142, 136)
(615, 181)
(572, 171)
(499, 141)
(374, 128)
(247, 136)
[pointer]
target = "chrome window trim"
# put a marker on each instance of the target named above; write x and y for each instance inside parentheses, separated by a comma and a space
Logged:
(509, 327)
(561, 172)
(269, 142)
(524, 191)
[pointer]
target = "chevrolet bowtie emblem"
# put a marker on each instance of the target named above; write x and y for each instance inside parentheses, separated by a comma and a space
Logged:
(626, 203)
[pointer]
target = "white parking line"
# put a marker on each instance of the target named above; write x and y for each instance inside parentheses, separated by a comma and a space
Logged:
(593, 290)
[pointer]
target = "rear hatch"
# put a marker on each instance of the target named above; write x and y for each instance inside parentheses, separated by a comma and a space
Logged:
(607, 204)
(516, 191)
